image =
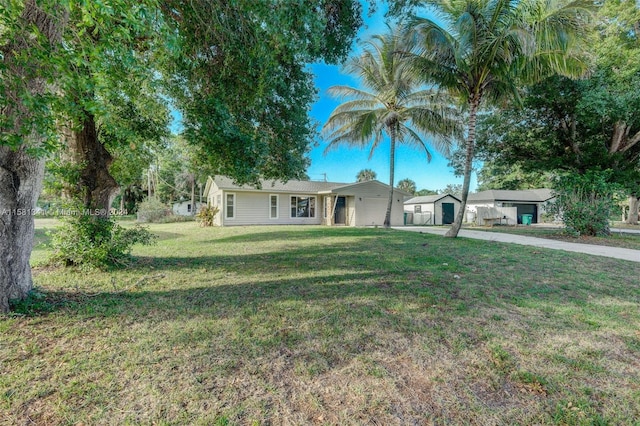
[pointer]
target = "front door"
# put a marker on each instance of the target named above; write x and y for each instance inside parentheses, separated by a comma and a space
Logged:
(447, 213)
(340, 215)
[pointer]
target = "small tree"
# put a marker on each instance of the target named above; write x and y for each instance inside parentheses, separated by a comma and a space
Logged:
(89, 240)
(407, 185)
(585, 202)
(366, 175)
(206, 215)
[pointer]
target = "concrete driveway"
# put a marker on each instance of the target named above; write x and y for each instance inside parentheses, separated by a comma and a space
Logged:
(615, 252)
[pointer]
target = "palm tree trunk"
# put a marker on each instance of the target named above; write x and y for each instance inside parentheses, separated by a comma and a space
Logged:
(474, 103)
(392, 165)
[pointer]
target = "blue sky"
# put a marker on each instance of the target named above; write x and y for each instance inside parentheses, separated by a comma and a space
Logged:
(343, 164)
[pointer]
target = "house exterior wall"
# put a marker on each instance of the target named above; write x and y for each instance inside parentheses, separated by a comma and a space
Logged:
(253, 208)
(367, 206)
(370, 211)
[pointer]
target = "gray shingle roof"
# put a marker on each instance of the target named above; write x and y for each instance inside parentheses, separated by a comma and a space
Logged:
(302, 186)
(530, 195)
(426, 199)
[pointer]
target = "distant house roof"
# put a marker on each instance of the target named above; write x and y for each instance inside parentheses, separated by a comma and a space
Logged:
(426, 199)
(292, 186)
(527, 195)
(278, 186)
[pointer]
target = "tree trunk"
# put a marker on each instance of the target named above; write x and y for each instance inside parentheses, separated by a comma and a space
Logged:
(634, 204)
(193, 195)
(474, 103)
(96, 188)
(21, 178)
(21, 175)
(392, 165)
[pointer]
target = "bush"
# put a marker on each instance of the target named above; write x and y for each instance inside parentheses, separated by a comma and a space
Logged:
(206, 214)
(92, 241)
(152, 210)
(585, 202)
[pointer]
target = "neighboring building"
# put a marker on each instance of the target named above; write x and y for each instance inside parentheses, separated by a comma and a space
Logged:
(184, 208)
(303, 203)
(530, 201)
(438, 209)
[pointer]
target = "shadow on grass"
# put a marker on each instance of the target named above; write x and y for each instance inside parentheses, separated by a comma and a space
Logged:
(470, 272)
(294, 233)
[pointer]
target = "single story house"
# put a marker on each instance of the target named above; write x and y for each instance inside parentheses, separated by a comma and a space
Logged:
(501, 203)
(184, 208)
(438, 209)
(303, 203)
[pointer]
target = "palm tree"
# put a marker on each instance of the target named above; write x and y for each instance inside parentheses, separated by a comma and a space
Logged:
(407, 185)
(396, 106)
(487, 47)
(366, 175)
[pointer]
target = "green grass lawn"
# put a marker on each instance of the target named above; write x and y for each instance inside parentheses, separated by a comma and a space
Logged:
(327, 326)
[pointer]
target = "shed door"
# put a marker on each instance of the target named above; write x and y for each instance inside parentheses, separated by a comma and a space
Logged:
(340, 215)
(448, 213)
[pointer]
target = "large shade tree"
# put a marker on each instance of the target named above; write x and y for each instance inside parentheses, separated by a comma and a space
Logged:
(236, 70)
(394, 105)
(481, 50)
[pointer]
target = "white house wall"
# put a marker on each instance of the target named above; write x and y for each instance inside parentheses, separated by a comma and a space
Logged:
(426, 215)
(367, 210)
(252, 208)
(214, 194)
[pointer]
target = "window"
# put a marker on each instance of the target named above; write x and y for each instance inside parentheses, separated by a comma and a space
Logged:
(273, 206)
(417, 208)
(188, 208)
(230, 211)
(303, 206)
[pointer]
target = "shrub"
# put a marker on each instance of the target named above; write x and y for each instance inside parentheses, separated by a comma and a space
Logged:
(152, 210)
(206, 214)
(92, 241)
(585, 202)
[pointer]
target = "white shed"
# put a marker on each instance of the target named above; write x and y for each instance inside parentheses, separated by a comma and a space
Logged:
(438, 209)
(184, 208)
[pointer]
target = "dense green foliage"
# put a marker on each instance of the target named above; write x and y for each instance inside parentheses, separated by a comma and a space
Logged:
(575, 126)
(584, 202)
(152, 210)
(241, 80)
(90, 241)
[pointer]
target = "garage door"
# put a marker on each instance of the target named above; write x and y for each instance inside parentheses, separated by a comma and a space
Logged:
(372, 212)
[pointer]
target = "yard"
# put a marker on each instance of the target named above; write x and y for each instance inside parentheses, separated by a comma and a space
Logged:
(317, 325)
